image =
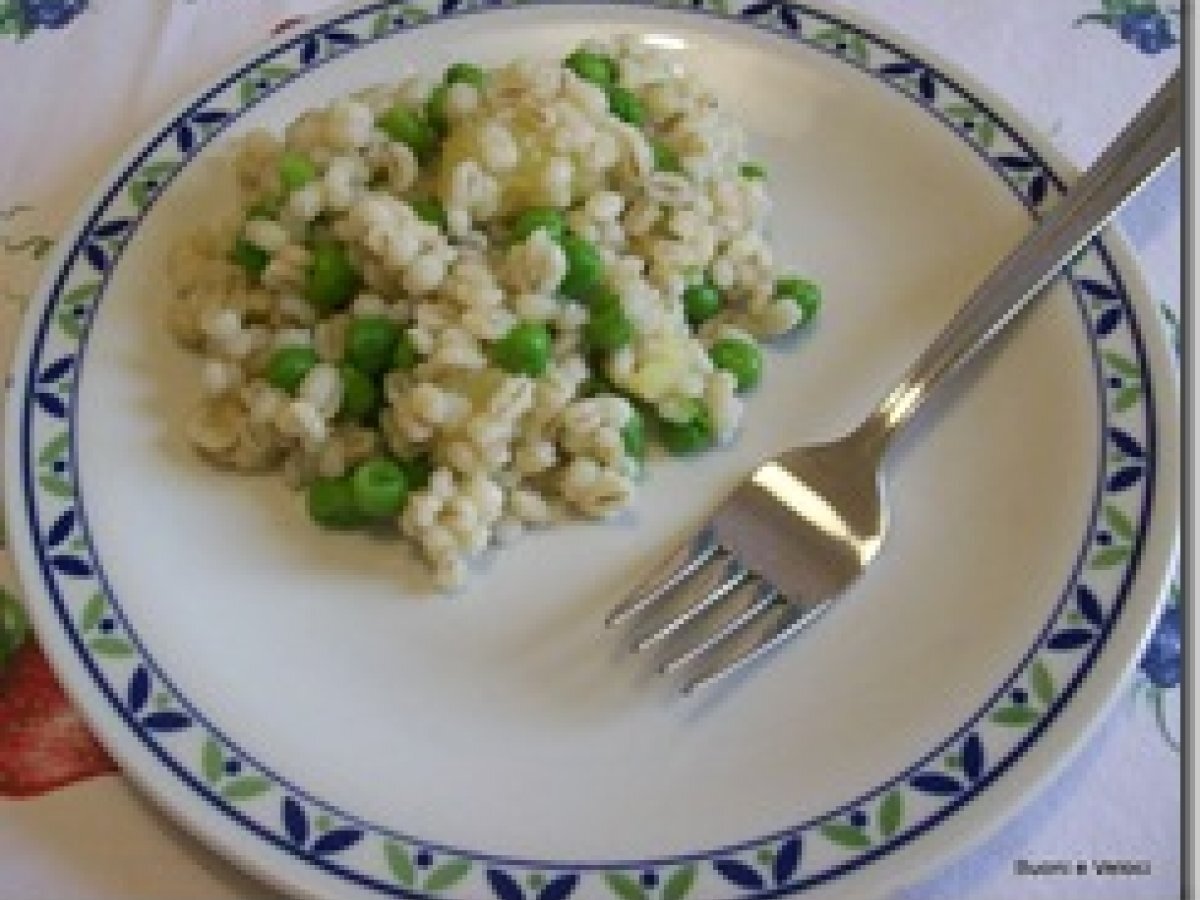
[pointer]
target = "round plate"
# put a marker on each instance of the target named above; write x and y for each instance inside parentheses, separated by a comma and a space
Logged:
(304, 701)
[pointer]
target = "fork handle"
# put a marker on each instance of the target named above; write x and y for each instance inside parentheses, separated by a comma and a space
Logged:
(1145, 145)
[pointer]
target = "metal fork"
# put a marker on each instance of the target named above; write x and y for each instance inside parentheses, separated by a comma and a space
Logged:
(800, 530)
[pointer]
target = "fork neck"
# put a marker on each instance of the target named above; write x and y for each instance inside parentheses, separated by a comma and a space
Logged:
(874, 436)
(879, 431)
(1138, 152)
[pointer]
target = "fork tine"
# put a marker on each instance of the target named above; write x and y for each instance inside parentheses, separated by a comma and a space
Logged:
(718, 577)
(763, 596)
(683, 561)
(789, 626)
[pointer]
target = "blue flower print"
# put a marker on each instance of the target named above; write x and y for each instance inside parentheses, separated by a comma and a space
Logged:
(1140, 23)
(50, 13)
(1148, 29)
(19, 18)
(1162, 661)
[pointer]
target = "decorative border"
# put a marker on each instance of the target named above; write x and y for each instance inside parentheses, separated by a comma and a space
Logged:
(810, 853)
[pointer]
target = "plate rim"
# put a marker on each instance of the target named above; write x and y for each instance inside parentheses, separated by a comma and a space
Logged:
(1136, 297)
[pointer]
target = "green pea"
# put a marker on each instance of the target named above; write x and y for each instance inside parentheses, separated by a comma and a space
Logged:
(468, 73)
(250, 257)
(370, 343)
(379, 488)
(585, 268)
(740, 358)
(665, 159)
(296, 170)
(404, 355)
(806, 295)
(752, 170)
(524, 350)
(601, 297)
(409, 127)
(417, 471)
(633, 437)
(288, 366)
(538, 217)
(687, 437)
(331, 503)
(607, 327)
(701, 302)
(594, 67)
(332, 281)
(436, 113)
(361, 397)
(429, 209)
(625, 105)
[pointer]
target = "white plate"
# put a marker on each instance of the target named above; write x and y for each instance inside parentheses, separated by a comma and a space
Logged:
(302, 702)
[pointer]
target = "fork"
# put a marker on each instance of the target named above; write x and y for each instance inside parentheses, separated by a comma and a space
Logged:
(802, 527)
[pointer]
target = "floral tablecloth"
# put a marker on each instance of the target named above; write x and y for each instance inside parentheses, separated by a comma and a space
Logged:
(79, 79)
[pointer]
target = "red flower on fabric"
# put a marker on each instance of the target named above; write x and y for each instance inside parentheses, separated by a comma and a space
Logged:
(44, 744)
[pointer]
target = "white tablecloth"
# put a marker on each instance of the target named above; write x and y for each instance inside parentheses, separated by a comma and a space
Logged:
(80, 79)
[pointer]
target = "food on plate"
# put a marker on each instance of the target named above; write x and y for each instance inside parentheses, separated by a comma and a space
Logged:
(467, 308)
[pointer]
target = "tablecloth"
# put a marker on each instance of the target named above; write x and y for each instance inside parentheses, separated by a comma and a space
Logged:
(79, 79)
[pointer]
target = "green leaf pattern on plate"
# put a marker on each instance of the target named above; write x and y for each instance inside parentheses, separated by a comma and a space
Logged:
(1026, 706)
(846, 835)
(226, 775)
(845, 42)
(1124, 378)
(246, 787)
(891, 814)
(669, 884)
(447, 874)
(856, 832)
(1015, 714)
(420, 870)
(625, 886)
(974, 120)
(149, 180)
(263, 80)
(93, 612)
(679, 883)
(111, 646)
(1041, 682)
(100, 630)
(1121, 548)
(75, 307)
(400, 862)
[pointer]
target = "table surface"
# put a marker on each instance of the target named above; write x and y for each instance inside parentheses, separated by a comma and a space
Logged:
(79, 79)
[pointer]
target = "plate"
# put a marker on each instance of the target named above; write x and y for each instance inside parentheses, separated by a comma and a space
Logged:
(304, 702)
